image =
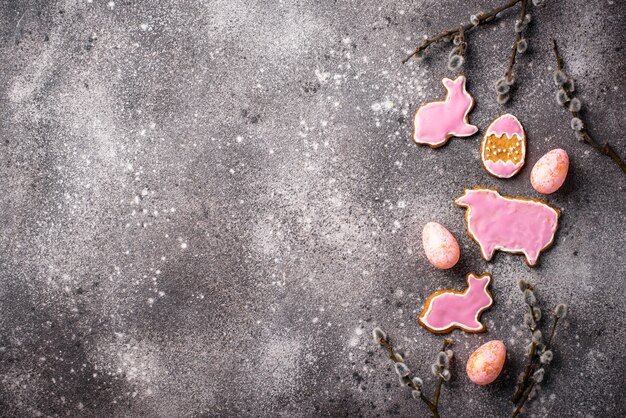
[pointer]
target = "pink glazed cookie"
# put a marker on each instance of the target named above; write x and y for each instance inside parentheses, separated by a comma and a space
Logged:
(446, 310)
(548, 174)
(485, 364)
(434, 123)
(440, 246)
(503, 148)
(513, 225)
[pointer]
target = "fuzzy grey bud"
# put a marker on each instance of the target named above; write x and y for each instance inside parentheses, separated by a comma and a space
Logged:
(523, 285)
(417, 394)
(561, 310)
(529, 297)
(502, 98)
(522, 45)
(435, 369)
(397, 358)
(575, 104)
(474, 20)
(417, 382)
(529, 321)
(450, 354)
(529, 348)
(379, 335)
(521, 377)
(539, 3)
(538, 375)
(546, 357)
(528, 18)
(502, 87)
(519, 26)
(569, 85)
(537, 313)
(402, 370)
(447, 38)
(455, 62)
(562, 97)
(536, 336)
(442, 359)
(456, 40)
(577, 124)
(446, 375)
(559, 77)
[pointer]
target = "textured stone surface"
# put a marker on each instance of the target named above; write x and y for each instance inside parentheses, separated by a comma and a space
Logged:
(207, 206)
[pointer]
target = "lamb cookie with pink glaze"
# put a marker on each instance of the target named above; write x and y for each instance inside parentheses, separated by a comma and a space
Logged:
(446, 310)
(434, 123)
(510, 224)
(503, 148)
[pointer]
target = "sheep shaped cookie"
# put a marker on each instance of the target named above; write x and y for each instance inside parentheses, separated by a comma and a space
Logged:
(434, 123)
(512, 225)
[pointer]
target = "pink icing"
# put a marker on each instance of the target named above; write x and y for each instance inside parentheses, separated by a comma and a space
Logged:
(502, 169)
(450, 309)
(508, 224)
(435, 122)
(506, 124)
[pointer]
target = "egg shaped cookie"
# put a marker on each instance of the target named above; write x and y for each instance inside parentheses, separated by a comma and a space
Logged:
(548, 174)
(440, 246)
(485, 364)
(503, 148)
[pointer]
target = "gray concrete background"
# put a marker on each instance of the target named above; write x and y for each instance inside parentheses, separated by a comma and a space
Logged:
(206, 206)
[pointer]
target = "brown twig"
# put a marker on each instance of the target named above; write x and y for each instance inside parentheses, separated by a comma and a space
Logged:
(462, 44)
(605, 149)
(525, 396)
(432, 405)
(518, 37)
(556, 321)
(519, 390)
(392, 356)
(482, 18)
(446, 343)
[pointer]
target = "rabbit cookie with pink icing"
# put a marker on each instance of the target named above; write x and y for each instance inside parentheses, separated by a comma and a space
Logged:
(434, 123)
(503, 148)
(446, 310)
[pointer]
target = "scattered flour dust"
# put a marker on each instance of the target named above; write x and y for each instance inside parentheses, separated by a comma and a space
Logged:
(281, 358)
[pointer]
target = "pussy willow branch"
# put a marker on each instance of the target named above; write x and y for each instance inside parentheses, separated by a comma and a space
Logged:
(605, 149)
(525, 396)
(482, 18)
(392, 356)
(446, 343)
(518, 36)
(462, 44)
(519, 390)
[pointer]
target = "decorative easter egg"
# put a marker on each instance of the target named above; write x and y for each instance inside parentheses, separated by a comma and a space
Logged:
(485, 364)
(440, 246)
(549, 173)
(503, 148)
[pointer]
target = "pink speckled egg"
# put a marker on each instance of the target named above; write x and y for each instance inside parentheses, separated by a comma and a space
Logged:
(485, 364)
(440, 246)
(549, 173)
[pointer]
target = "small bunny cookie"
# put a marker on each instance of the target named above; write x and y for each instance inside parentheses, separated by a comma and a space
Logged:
(449, 309)
(434, 123)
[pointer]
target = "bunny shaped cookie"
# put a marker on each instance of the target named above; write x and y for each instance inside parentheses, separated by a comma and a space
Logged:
(434, 123)
(449, 309)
